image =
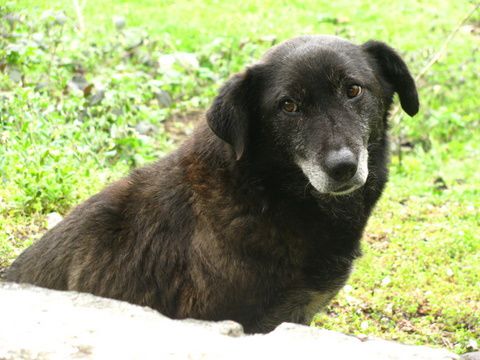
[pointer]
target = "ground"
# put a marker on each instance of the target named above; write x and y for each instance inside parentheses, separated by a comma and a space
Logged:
(87, 95)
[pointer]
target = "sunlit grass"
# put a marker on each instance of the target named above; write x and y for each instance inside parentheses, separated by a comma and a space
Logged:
(419, 278)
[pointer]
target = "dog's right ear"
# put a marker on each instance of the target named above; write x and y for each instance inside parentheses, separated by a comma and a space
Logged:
(395, 71)
(230, 113)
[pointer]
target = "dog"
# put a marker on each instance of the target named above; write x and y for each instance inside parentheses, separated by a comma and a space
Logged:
(257, 217)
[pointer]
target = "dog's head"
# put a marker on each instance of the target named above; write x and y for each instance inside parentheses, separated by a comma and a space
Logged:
(316, 103)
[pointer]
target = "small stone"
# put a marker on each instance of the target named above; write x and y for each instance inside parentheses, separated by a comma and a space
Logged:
(389, 308)
(386, 280)
(42, 85)
(437, 88)
(12, 18)
(362, 337)
(78, 82)
(163, 98)
(119, 22)
(53, 219)
(166, 62)
(96, 98)
(47, 15)
(38, 37)
(188, 60)
(472, 344)
(15, 75)
(352, 300)
(145, 128)
(60, 18)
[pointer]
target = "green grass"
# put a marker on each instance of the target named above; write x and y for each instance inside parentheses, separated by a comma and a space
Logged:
(419, 278)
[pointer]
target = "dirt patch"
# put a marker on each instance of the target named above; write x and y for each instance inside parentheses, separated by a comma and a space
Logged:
(179, 126)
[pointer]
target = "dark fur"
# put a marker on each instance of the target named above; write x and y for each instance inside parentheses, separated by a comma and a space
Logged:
(228, 226)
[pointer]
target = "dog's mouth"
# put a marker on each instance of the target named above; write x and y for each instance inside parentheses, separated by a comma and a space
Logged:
(345, 189)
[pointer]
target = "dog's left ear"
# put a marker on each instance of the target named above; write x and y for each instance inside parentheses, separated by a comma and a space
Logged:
(395, 72)
(230, 113)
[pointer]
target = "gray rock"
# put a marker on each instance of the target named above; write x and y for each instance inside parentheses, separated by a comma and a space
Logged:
(15, 75)
(119, 22)
(53, 219)
(471, 356)
(46, 324)
(60, 18)
(78, 83)
(96, 98)
(145, 128)
(163, 98)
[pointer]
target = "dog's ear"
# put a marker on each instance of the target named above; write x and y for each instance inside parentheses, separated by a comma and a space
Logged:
(394, 70)
(230, 113)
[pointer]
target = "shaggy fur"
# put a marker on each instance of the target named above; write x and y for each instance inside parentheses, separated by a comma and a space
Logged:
(257, 217)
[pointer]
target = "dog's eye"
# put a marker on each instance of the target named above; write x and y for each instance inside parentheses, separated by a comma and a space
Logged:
(289, 106)
(354, 91)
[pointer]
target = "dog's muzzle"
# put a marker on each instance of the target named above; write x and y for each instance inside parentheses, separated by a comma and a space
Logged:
(339, 173)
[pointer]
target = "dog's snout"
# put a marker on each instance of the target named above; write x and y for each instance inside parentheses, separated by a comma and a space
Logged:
(341, 165)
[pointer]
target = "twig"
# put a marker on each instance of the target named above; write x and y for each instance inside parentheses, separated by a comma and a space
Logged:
(56, 43)
(396, 115)
(439, 53)
(79, 10)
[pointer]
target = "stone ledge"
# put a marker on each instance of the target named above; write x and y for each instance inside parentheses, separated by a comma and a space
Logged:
(39, 323)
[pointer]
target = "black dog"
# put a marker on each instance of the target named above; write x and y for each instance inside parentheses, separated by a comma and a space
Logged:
(258, 216)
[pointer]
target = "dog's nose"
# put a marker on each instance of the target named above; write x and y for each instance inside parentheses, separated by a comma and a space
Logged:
(341, 165)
